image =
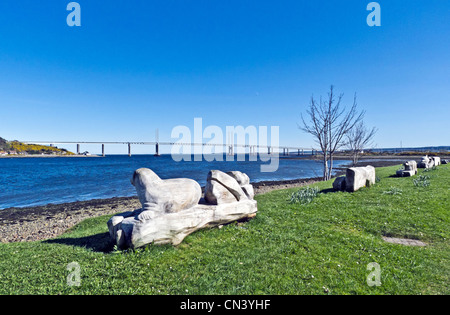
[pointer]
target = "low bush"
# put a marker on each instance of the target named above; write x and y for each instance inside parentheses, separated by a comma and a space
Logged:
(304, 195)
(393, 191)
(422, 181)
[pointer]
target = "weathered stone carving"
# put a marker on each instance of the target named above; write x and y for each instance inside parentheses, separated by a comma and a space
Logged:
(339, 183)
(173, 208)
(356, 178)
(159, 196)
(222, 188)
(244, 181)
(426, 162)
(410, 169)
(436, 160)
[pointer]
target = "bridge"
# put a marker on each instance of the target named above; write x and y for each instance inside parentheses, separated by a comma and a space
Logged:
(230, 148)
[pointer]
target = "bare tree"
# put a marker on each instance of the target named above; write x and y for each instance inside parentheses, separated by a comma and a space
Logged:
(359, 138)
(328, 123)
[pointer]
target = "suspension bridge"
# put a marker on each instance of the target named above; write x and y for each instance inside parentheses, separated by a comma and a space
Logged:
(230, 149)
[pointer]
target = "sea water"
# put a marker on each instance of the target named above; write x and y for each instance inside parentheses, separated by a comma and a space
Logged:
(34, 181)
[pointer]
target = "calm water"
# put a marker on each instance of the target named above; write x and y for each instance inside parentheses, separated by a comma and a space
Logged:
(39, 181)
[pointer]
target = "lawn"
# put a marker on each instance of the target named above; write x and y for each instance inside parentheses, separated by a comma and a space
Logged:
(322, 247)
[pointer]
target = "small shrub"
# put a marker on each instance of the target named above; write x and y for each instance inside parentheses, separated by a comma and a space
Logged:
(393, 191)
(430, 169)
(422, 181)
(304, 195)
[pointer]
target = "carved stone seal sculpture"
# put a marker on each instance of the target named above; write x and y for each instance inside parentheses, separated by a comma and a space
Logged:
(159, 196)
(173, 208)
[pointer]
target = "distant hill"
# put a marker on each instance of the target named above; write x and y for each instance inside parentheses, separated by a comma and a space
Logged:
(18, 148)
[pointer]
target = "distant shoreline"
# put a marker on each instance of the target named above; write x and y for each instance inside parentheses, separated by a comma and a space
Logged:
(45, 156)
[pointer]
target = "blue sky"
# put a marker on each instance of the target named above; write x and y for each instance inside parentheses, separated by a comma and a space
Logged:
(134, 66)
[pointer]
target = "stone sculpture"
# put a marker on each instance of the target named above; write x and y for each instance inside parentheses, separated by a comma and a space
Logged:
(410, 169)
(173, 208)
(436, 160)
(222, 188)
(244, 181)
(159, 196)
(429, 162)
(339, 183)
(426, 162)
(227, 187)
(356, 178)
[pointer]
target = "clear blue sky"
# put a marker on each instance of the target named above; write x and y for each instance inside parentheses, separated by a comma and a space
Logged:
(134, 66)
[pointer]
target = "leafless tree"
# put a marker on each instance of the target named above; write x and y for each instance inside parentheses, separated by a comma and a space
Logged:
(329, 122)
(359, 138)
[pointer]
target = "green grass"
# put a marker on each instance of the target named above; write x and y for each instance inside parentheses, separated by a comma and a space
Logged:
(322, 247)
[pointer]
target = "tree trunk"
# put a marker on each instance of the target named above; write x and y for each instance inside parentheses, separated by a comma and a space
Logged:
(325, 166)
(330, 169)
(355, 158)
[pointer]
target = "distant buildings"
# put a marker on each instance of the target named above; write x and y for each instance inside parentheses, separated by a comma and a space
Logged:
(11, 152)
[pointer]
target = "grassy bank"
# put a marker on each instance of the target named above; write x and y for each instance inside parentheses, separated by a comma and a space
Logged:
(322, 247)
